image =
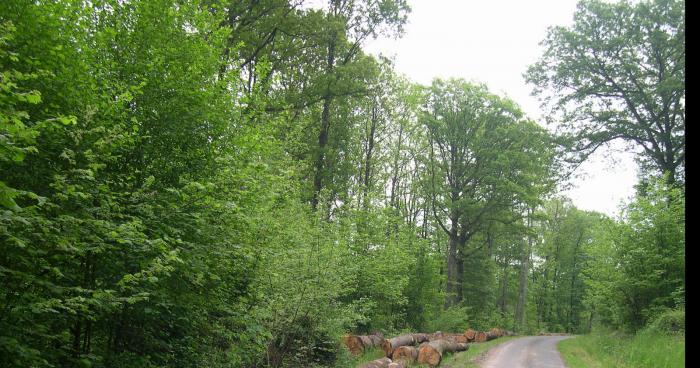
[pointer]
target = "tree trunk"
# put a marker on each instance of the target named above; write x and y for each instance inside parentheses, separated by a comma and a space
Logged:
(357, 344)
(572, 291)
(454, 337)
(369, 150)
(431, 353)
(504, 286)
(411, 339)
(522, 288)
(325, 126)
(406, 354)
(454, 283)
(395, 171)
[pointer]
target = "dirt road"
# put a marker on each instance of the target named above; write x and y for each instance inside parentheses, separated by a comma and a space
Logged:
(526, 352)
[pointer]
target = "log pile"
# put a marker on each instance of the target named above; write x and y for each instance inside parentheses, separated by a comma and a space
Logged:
(358, 343)
(404, 340)
(407, 350)
(431, 353)
(480, 336)
(405, 354)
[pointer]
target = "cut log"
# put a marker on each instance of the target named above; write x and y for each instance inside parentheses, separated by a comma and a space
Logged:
(499, 332)
(371, 340)
(406, 354)
(454, 337)
(490, 336)
(404, 340)
(480, 336)
(421, 337)
(357, 344)
(470, 334)
(354, 344)
(377, 363)
(431, 353)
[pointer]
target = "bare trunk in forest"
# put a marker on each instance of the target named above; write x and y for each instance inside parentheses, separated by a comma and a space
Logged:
(319, 165)
(454, 282)
(522, 287)
(369, 150)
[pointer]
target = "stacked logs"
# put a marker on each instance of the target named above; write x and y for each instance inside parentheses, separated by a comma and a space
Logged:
(405, 350)
(357, 344)
(431, 352)
(404, 340)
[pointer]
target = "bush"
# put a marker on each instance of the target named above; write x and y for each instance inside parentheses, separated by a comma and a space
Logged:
(453, 319)
(671, 322)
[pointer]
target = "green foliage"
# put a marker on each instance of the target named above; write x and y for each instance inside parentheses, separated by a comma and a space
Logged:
(605, 348)
(237, 184)
(639, 268)
(619, 73)
(453, 319)
(671, 322)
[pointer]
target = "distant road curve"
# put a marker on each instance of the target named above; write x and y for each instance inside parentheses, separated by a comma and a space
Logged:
(526, 352)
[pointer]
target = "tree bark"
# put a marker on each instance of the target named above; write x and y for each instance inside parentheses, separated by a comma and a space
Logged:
(431, 353)
(406, 354)
(369, 150)
(522, 288)
(454, 282)
(357, 344)
(480, 336)
(325, 126)
(411, 339)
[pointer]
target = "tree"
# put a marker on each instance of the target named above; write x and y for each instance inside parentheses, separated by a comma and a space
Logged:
(350, 22)
(484, 159)
(619, 73)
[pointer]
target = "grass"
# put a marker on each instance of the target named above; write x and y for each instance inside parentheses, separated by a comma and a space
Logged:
(346, 360)
(607, 349)
(466, 359)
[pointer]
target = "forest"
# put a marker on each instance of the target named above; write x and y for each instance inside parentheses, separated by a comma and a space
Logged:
(237, 183)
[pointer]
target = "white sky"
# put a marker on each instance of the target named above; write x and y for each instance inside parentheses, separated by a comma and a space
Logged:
(493, 42)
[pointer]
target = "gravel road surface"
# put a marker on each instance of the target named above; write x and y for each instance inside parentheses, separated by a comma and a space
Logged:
(526, 352)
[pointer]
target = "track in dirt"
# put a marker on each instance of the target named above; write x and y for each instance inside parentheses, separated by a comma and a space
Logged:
(526, 352)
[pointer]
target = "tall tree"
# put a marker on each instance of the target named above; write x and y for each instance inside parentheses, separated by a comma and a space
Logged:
(619, 73)
(351, 22)
(484, 159)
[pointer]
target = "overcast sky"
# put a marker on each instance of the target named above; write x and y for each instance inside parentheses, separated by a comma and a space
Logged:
(493, 42)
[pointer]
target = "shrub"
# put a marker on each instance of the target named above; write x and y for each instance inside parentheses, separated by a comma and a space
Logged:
(451, 320)
(671, 322)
